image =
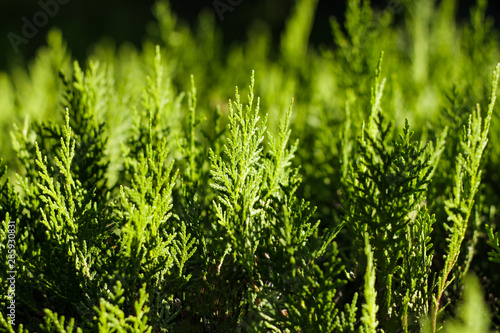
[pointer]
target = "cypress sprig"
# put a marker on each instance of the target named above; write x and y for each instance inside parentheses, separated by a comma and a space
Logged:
(279, 164)
(418, 257)
(63, 197)
(385, 197)
(54, 322)
(146, 234)
(237, 177)
(59, 197)
(348, 318)
(467, 178)
(370, 307)
(113, 319)
(388, 184)
(10, 203)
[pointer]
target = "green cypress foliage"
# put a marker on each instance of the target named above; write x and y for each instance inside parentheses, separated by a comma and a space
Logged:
(353, 189)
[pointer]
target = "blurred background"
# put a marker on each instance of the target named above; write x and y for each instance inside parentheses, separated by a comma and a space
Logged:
(83, 23)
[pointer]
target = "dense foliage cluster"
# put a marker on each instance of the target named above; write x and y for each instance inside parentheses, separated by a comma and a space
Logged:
(348, 188)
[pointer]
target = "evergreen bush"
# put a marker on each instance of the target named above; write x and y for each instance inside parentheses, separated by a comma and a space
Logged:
(352, 187)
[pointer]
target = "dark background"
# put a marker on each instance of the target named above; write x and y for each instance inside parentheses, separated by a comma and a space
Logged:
(85, 22)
